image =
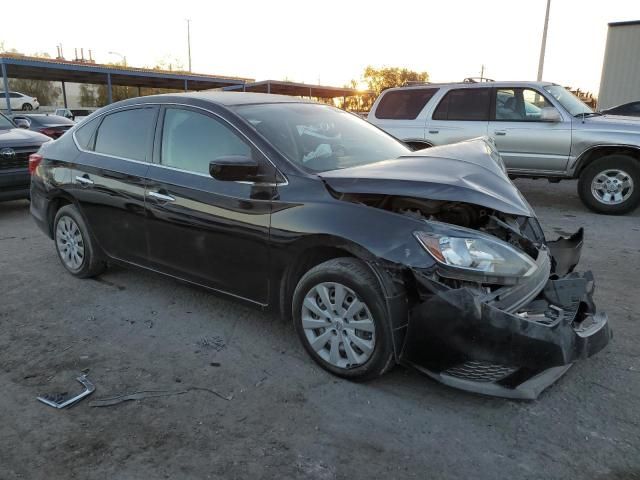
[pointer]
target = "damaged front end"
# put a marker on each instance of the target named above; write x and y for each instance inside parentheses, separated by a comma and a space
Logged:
(478, 299)
(506, 340)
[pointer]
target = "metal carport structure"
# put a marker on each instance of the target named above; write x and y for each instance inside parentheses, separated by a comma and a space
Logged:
(296, 89)
(35, 68)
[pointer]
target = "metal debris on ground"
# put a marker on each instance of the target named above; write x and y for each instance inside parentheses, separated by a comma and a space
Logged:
(62, 400)
(126, 397)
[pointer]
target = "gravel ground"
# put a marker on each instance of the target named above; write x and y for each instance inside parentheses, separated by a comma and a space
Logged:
(242, 400)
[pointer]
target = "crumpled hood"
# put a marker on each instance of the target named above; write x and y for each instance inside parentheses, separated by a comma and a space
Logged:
(20, 137)
(462, 172)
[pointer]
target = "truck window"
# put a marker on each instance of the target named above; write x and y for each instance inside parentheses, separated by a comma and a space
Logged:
(471, 104)
(404, 104)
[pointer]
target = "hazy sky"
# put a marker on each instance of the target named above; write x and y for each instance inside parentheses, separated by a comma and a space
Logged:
(331, 41)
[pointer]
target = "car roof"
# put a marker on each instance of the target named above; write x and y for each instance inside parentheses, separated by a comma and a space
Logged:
(500, 84)
(226, 99)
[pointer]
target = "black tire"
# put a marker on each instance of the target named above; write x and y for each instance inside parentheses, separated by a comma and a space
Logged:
(624, 163)
(356, 276)
(91, 263)
(27, 107)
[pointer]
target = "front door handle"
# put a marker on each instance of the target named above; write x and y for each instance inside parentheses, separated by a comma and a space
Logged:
(162, 196)
(434, 131)
(500, 132)
(84, 180)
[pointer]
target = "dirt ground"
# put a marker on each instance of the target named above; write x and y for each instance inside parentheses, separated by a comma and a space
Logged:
(278, 415)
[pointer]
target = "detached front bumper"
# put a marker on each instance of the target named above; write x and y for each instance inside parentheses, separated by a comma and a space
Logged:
(514, 342)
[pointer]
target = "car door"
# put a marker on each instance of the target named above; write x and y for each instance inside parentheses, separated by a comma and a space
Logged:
(211, 232)
(531, 134)
(461, 114)
(108, 179)
(16, 100)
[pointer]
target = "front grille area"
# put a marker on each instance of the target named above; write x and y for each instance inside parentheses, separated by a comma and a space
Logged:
(20, 160)
(479, 371)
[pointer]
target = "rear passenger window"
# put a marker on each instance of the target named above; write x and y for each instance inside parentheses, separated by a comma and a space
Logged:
(84, 134)
(464, 104)
(127, 134)
(404, 104)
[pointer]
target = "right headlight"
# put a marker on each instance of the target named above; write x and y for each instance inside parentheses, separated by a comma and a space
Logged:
(477, 255)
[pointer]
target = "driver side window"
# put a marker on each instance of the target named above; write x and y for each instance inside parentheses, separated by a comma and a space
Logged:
(520, 105)
(190, 140)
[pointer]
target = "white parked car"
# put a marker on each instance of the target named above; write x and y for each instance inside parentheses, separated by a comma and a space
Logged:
(19, 101)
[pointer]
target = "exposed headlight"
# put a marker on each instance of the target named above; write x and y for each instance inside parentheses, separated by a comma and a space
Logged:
(477, 254)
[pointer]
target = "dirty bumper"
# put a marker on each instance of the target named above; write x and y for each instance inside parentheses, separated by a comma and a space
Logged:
(514, 342)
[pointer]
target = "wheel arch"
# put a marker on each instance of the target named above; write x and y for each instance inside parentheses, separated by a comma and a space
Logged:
(56, 203)
(305, 259)
(598, 151)
(417, 144)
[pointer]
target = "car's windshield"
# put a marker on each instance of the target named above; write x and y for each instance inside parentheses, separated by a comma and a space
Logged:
(5, 123)
(568, 100)
(320, 137)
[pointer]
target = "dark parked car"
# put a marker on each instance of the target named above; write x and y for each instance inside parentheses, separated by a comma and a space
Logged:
(52, 126)
(631, 109)
(379, 255)
(15, 147)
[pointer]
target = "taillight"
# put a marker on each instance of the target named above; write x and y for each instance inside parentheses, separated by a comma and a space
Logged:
(34, 161)
(49, 132)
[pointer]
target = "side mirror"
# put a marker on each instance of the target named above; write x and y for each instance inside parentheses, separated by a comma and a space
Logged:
(21, 123)
(234, 168)
(550, 114)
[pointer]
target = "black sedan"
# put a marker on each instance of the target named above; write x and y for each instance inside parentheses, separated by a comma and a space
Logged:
(631, 109)
(379, 255)
(52, 126)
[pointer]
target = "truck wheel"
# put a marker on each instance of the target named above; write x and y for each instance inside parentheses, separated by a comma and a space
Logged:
(339, 314)
(611, 184)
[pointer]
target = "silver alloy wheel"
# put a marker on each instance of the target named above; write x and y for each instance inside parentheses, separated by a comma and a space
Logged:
(612, 186)
(70, 242)
(338, 325)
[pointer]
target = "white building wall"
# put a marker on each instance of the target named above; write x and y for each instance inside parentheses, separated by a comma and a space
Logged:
(620, 81)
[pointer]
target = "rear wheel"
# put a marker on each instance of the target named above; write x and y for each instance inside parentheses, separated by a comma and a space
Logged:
(27, 106)
(611, 184)
(74, 245)
(339, 315)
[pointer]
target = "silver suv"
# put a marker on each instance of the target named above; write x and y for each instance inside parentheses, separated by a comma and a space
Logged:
(540, 129)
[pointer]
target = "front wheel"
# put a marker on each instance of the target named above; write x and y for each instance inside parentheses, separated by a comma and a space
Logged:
(27, 107)
(74, 245)
(340, 317)
(611, 184)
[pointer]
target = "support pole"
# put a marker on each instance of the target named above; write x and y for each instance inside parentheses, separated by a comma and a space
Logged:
(139, 91)
(109, 96)
(5, 81)
(64, 94)
(543, 46)
(268, 87)
(186, 85)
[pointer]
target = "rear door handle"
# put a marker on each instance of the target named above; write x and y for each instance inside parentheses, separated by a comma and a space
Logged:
(84, 180)
(500, 132)
(434, 131)
(162, 196)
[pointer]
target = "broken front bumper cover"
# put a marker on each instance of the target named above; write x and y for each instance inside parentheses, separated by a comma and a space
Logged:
(514, 342)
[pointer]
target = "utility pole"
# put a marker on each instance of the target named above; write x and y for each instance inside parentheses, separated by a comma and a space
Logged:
(482, 73)
(544, 42)
(189, 41)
